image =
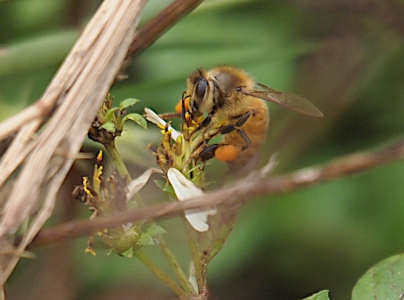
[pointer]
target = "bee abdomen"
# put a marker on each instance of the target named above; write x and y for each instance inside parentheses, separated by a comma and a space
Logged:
(255, 128)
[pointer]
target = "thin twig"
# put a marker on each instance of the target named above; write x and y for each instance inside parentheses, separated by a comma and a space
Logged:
(240, 190)
(156, 27)
(160, 274)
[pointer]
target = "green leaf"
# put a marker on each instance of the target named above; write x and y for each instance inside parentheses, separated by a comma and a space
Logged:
(164, 186)
(383, 281)
(128, 253)
(110, 113)
(146, 239)
(168, 189)
(108, 126)
(323, 295)
(127, 103)
(155, 230)
(160, 184)
(136, 118)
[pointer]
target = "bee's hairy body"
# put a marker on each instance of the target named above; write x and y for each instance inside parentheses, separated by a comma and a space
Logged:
(231, 95)
(255, 128)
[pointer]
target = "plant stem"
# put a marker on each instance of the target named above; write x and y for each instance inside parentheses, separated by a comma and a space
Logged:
(160, 274)
(116, 157)
(182, 278)
(196, 256)
(123, 171)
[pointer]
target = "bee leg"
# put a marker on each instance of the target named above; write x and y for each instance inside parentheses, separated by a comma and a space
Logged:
(209, 117)
(245, 138)
(184, 105)
(181, 109)
(223, 152)
(226, 152)
(208, 152)
(168, 116)
(243, 118)
(240, 122)
(230, 128)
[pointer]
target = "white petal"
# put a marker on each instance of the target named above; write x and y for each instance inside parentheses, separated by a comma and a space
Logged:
(136, 185)
(192, 277)
(151, 116)
(185, 189)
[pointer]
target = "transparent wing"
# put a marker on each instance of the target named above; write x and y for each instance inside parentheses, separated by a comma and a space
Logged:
(288, 100)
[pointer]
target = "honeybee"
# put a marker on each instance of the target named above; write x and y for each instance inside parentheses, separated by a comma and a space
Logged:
(230, 94)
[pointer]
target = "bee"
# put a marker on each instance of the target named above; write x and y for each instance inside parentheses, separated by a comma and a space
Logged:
(230, 94)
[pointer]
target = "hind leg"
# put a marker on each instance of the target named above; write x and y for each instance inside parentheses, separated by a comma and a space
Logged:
(223, 152)
(227, 152)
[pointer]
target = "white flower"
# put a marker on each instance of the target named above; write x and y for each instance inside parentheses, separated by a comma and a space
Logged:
(192, 277)
(136, 185)
(185, 189)
(151, 116)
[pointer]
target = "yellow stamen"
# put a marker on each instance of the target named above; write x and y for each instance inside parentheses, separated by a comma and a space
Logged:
(99, 156)
(85, 186)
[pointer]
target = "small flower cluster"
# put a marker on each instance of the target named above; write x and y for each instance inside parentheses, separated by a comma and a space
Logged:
(106, 197)
(179, 156)
(109, 121)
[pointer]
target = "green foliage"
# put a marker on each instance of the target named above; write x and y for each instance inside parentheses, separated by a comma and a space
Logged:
(127, 103)
(154, 229)
(109, 126)
(110, 115)
(161, 184)
(383, 281)
(323, 295)
(146, 239)
(128, 253)
(118, 115)
(164, 186)
(138, 119)
(110, 121)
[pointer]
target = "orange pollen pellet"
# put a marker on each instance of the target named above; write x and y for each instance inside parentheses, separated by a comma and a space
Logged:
(178, 107)
(227, 152)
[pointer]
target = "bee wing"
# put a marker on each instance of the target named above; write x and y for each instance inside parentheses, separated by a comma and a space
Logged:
(288, 100)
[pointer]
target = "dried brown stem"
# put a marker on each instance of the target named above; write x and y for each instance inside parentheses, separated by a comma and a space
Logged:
(249, 187)
(78, 89)
(68, 107)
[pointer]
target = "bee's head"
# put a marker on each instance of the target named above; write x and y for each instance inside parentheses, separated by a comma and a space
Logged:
(213, 89)
(202, 91)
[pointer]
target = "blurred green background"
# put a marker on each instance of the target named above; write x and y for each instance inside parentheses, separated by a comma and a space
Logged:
(345, 56)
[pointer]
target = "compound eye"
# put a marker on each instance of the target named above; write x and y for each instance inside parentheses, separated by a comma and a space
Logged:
(201, 87)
